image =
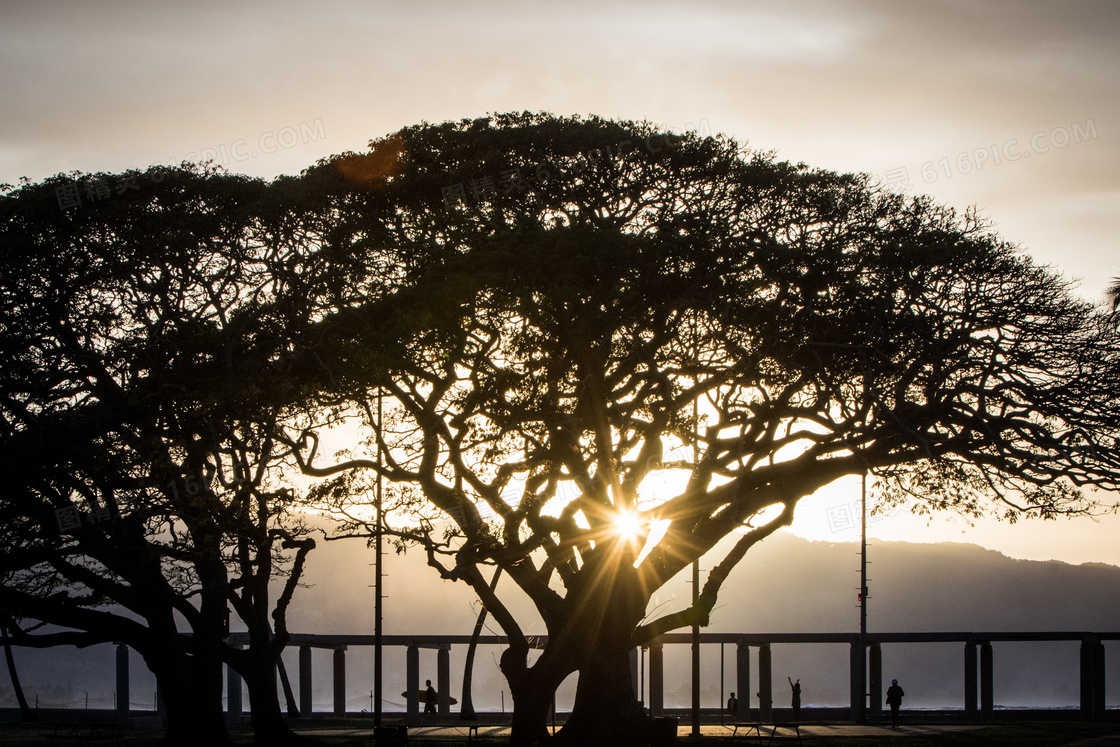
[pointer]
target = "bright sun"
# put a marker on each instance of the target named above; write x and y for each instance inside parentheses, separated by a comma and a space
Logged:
(627, 525)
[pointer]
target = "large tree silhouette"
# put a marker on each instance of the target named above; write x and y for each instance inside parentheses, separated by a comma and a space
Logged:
(611, 347)
(145, 364)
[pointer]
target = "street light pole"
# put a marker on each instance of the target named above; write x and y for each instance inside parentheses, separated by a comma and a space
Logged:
(696, 595)
(695, 651)
(861, 715)
(377, 611)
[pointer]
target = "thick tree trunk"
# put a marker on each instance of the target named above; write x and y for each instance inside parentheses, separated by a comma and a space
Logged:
(192, 695)
(533, 689)
(269, 727)
(532, 699)
(611, 604)
(606, 711)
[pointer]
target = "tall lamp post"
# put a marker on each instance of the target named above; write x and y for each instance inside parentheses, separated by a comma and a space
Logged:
(861, 711)
(377, 621)
(696, 597)
(695, 652)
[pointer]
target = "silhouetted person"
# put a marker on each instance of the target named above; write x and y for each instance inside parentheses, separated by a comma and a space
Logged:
(430, 698)
(796, 701)
(733, 705)
(894, 700)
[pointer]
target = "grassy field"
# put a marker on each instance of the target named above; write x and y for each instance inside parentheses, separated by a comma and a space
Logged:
(1050, 734)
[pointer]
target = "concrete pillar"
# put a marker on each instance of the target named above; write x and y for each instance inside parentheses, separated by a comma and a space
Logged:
(765, 685)
(1086, 681)
(876, 679)
(743, 681)
(306, 705)
(340, 681)
(634, 684)
(1099, 687)
(656, 678)
(443, 680)
(1098, 681)
(123, 695)
(412, 682)
(970, 680)
(234, 710)
(858, 684)
(1092, 679)
(987, 691)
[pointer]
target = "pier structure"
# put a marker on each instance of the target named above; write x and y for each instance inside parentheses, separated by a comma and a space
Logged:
(979, 665)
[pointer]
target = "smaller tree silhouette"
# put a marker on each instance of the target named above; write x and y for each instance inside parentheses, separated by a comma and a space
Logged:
(143, 368)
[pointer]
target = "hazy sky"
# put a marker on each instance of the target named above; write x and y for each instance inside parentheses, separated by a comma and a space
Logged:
(1012, 107)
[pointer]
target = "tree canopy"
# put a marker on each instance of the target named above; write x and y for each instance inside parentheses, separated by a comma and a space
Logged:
(603, 306)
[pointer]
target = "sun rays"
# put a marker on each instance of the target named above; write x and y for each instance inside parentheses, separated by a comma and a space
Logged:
(628, 526)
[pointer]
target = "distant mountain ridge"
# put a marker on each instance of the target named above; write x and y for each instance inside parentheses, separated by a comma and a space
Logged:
(915, 587)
